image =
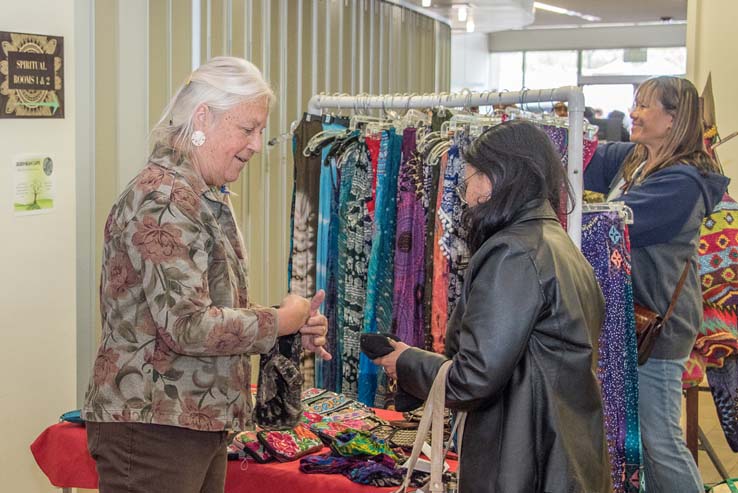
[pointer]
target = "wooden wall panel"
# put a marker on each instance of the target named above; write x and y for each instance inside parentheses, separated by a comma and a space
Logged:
(304, 47)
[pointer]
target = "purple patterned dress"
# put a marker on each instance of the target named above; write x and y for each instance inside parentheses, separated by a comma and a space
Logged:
(409, 248)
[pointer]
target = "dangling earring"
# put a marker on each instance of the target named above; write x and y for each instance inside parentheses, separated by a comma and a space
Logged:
(198, 138)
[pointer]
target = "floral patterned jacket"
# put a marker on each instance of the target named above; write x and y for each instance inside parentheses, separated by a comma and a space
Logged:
(177, 324)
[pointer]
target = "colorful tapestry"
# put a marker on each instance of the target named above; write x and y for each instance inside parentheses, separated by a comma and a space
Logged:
(718, 258)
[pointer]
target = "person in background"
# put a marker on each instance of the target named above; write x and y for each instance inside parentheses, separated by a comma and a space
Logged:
(523, 338)
(172, 373)
(589, 113)
(671, 184)
(616, 127)
(561, 110)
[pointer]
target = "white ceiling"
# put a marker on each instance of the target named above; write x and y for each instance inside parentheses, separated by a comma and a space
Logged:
(489, 15)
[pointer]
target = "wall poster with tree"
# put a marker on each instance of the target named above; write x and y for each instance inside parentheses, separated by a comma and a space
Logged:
(34, 185)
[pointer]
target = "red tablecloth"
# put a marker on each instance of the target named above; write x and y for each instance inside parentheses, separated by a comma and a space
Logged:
(61, 453)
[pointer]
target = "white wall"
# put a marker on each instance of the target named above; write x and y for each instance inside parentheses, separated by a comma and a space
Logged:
(589, 38)
(470, 60)
(37, 268)
(711, 43)
(133, 96)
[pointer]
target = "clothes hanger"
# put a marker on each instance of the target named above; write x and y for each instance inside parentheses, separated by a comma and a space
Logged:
(434, 156)
(286, 136)
(323, 138)
(625, 212)
(427, 140)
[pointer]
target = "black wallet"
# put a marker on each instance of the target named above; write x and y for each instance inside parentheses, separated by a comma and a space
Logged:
(376, 345)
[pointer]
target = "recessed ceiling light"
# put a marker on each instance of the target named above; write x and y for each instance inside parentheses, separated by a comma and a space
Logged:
(426, 3)
(563, 11)
(470, 25)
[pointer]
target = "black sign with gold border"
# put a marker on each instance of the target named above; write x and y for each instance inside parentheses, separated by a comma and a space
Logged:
(31, 76)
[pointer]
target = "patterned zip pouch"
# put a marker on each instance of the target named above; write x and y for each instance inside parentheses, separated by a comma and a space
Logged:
(250, 444)
(289, 445)
(349, 413)
(313, 394)
(309, 418)
(329, 405)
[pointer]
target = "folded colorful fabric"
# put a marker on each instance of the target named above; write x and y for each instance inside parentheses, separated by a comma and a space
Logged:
(326, 464)
(327, 430)
(380, 470)
(355, 443)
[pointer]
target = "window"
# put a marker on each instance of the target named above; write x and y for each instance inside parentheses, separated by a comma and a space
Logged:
(610, 97)
(545, 69)
(635, 61)
(507, 71)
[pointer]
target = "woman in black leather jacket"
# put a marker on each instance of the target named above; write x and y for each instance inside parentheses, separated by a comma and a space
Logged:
(523, 338)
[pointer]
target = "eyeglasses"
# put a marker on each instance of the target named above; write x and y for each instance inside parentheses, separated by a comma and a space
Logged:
(461, 188)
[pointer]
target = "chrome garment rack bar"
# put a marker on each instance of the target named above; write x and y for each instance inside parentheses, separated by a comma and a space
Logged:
(572, 95)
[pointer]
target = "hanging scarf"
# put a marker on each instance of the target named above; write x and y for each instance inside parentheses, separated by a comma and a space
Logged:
(606, 246)
(354, 248)
(409, 248)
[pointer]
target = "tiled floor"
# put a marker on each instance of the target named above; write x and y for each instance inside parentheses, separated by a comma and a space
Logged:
(711, 427)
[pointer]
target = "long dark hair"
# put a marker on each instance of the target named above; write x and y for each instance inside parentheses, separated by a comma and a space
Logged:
(523, 166)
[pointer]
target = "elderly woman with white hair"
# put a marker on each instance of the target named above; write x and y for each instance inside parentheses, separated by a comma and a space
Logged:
(172, 374)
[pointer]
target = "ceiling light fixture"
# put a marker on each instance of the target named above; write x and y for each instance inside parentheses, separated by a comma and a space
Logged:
(562, 11)
(470, 25)
(426, 3)
(462, 13)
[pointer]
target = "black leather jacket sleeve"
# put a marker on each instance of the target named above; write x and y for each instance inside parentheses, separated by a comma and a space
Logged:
(502, 300)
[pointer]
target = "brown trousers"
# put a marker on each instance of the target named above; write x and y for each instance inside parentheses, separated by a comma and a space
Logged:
(147, 458)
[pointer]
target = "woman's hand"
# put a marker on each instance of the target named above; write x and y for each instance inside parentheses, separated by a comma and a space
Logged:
(292, 314)
(389, 361)
(314, 331)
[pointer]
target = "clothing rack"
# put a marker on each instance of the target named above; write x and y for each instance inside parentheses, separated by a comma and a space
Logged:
(571, 94)
(623, 210)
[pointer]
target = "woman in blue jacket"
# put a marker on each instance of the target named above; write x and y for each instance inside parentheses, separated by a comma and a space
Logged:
(671, 184)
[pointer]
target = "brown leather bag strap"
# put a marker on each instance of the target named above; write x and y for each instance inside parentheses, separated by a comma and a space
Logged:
(678, 290)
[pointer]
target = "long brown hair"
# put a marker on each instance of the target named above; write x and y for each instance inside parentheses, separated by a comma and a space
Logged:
(684, 143)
